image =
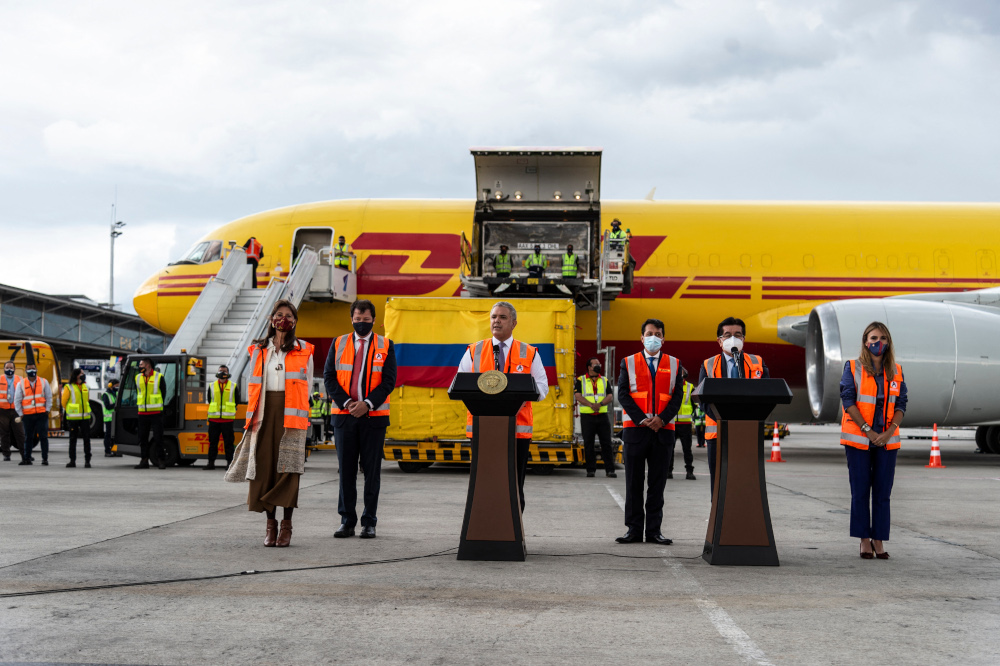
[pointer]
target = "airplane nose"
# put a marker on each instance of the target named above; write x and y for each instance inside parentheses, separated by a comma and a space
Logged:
(146, 301)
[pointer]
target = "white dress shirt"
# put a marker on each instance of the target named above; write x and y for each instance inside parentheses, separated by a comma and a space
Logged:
(361, 374)
(274, 368)
(537, 369)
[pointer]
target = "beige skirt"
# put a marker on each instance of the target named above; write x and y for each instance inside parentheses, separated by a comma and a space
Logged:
(271, 489)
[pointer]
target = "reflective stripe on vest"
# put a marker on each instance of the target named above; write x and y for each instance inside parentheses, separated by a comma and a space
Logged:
(34, 396)
(149, 398)
(520, 356)
(617, 235)
(78, 409)
(686, 412)
(376, 354)
(569, 265)
(536, 260)
(866, 388)
(753, 368)
(640, 383)
(341, 260)
(223, 403)
(502, 263)
(296, 411)
(4, 403)
(588, 393)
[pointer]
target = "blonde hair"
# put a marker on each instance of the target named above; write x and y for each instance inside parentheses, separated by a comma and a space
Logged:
(888, 356)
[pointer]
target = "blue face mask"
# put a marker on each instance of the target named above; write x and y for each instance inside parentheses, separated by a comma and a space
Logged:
(877, 348)
(652, 343)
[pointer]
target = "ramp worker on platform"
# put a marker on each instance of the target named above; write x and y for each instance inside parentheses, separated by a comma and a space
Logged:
(650, 392)
(730, 333)
(682, 432)
(342, 254)
(151, 388)
(502, 263)
(536, 263)
(223, 396)
(11, 428)
(360, 375)
(76, 406)
(33, 402)
(569, 263)
(593, 393)
(108, 400)
(874, 397)
(255, 252)
(502, 352)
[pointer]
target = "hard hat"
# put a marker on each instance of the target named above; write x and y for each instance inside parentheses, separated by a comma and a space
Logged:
(616, 221)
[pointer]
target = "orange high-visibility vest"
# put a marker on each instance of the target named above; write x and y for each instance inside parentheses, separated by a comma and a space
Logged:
(867, 390)
(753, 368)
(4, 404)
(519, 359)
(254, 249)
(376, 353)
(640, 386)
(296, 384)
(34, 396)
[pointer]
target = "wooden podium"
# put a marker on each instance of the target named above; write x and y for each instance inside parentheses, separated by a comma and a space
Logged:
(492, 528)
(739, 527)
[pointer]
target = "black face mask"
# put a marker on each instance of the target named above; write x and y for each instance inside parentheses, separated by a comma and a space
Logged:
(596, 369)
(222, 375)
(32, 373)
(569, 250)
(363, 328)
(9, 373)
(503, 250)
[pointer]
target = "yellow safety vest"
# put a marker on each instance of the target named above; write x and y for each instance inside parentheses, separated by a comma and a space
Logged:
(341, 260)
(78, 409)
(316, 410)
(223, 403)
(587, 390)
(537, 260)
(149, 399)
(569, 265)
(615, 235)
(502, 263)
(685, 413)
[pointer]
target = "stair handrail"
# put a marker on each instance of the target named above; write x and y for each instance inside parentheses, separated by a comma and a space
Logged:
(254, 329)
(303, 270)
(212, 303)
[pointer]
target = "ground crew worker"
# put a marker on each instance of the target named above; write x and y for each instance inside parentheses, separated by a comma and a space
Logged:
(360, 375)
(511, 356)
(502, 263)
(341, 254)
(316, 403)
(255, 252)
(33, 400)
(593, 394)
(108, 399)
(76, 407)
(616, 230)
(569, 263)
(874, 397)
(536, 262)
(11, 428)
(730, 333)
(699, 424)
(682, 432)
(649, 390)
(151, 388)
(223, 396)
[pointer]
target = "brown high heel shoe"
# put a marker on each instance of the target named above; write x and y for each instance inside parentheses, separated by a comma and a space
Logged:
(868, 556)
(285, 534)
(883, 555)
(272, 532)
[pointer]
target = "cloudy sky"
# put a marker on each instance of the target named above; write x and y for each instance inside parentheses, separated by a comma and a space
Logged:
(203, 112)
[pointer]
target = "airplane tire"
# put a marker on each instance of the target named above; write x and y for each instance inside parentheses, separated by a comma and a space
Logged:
(993, 440)
(411, 467)
(96, 420)
(981, 438)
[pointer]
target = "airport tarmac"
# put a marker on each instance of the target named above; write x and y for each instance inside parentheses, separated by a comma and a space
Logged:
(580, 597)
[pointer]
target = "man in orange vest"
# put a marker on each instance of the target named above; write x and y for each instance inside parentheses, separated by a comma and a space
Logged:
(730, 333)
(360, 374)
(650, 390)
(33, 401)
(503, 352)
(255, 252)
(11, 429)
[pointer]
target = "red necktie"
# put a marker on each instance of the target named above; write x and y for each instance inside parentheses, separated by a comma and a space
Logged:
(359, 362)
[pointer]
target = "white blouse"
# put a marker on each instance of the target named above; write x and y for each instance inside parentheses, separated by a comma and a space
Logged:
(275, 368)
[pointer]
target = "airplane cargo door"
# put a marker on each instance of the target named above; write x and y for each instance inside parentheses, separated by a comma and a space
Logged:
(315, 237)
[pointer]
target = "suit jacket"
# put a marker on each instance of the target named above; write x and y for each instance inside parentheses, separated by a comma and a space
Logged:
(376, 395)
(641, 433)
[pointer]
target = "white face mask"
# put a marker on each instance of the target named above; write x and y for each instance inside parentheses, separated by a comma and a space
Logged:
(729, 343)
(652, 343)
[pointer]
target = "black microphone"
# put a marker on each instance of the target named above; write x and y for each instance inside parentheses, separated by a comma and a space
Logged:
(738, 358)
(496, 358)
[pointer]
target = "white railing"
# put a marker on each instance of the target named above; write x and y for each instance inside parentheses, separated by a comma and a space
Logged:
(213, 302)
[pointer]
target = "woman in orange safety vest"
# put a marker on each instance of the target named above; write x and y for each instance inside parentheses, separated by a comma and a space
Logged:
(873, 393)
(272, 453)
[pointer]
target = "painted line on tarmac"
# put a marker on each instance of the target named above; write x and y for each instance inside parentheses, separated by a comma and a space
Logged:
(723, 622)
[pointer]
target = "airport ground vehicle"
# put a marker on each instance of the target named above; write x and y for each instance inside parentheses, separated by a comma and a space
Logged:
(430, 337)
(185, 413)
(47, 363)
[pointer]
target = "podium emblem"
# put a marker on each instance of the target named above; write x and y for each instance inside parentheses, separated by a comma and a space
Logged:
(492, 382)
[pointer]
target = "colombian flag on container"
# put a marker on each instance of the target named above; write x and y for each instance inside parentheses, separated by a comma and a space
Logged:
(431, 335)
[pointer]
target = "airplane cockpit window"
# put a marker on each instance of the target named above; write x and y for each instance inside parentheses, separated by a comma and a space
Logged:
(202, 253)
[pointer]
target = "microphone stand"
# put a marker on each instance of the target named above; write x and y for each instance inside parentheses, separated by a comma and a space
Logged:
(496, 358)
(738, 358)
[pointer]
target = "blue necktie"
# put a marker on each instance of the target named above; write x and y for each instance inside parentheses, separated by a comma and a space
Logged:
(652, 366)
(733, 373)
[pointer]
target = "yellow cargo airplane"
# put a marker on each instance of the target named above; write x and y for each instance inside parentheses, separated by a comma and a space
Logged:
(805, 277)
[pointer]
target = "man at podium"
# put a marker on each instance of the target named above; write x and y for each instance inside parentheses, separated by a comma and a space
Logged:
(731, 334)
(502, 352)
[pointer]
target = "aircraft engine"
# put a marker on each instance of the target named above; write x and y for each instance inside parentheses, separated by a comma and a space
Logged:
(950, 355)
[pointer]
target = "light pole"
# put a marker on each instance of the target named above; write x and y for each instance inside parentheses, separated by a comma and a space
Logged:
(115, 233)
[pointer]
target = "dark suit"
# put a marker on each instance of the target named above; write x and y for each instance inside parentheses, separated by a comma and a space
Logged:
(711, 442)
(644, 447)
(360, 438)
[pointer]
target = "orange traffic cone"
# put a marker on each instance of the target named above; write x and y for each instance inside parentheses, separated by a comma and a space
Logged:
(935, 451)
(775, 446)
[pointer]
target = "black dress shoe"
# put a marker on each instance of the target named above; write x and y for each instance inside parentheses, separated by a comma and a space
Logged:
(24, 462)
(160, 464)
(658, 538)
(344, 532)
(630, 537)
(611, 475)
(86, 463)
(209, 466)
(368, 532)
(690, 477)
(590, 474)
(143, 465)
(71, 463)
(45, 462)
(6, 458)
